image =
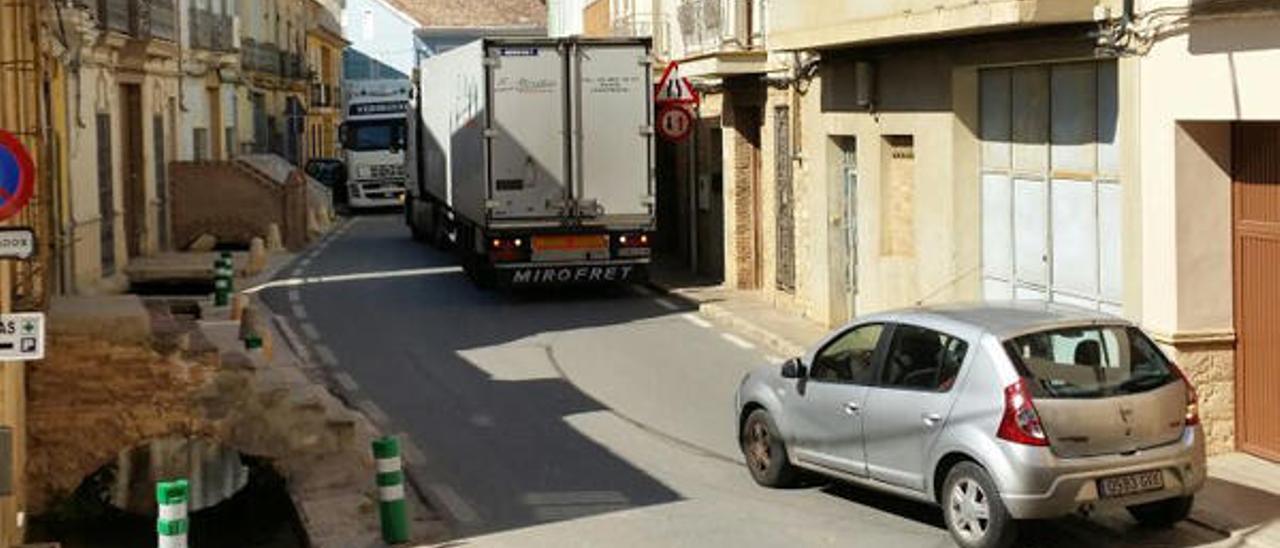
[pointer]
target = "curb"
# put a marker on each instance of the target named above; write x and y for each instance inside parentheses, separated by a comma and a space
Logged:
(721, 315)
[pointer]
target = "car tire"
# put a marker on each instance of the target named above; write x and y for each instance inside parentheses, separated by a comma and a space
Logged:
(969, 494)
(765, 452)
(1162, 513)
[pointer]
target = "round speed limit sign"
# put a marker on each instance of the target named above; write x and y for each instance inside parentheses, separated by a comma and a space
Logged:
(675, 122)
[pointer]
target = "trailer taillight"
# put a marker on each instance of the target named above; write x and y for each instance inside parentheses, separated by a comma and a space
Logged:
(633, 240)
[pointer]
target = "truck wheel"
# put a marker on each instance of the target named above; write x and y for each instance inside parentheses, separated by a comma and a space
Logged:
(438, 234)
(412, 220)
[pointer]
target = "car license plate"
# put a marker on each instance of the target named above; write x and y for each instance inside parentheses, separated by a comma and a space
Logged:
(1131, 484)
(570, 243)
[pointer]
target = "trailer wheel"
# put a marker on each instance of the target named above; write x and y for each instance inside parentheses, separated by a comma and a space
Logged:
(411, 219)
(439, 234)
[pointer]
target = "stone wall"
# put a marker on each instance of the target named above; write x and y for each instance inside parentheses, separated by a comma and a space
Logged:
(1212, 369)
(236, 203)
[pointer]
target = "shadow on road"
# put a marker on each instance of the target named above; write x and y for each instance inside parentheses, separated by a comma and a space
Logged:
(462, 372)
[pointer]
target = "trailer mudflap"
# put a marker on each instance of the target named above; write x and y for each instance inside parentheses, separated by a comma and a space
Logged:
(535, 275)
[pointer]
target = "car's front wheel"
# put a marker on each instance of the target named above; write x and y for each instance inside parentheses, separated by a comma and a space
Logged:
(765, 452)
(1162, 513)
(973, 510)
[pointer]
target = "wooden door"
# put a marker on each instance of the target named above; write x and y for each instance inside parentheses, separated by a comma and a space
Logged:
(135, 197)
(1256, 193)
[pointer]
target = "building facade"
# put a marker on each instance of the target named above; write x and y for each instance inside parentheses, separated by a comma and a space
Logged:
(123, 90)
(272, 101)
(893, 154)
(325, 45)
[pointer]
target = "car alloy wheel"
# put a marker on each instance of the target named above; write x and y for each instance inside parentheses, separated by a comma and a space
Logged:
(970, 510)
(759, 451)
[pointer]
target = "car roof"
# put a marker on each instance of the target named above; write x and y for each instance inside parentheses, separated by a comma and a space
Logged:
(1007, 319)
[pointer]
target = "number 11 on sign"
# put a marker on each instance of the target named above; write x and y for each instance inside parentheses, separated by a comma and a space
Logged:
(675, 122)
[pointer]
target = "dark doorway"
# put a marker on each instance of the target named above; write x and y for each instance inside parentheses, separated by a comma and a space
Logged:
(134, 167)
(748, 211)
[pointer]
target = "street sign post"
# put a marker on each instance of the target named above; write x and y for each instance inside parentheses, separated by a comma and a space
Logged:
(17, 175)
(675, 122)
(22, 336)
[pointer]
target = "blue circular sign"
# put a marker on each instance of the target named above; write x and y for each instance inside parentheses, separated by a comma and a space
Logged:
(17, 176)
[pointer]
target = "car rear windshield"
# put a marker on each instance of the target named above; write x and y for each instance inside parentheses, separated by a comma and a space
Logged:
(1090, 362)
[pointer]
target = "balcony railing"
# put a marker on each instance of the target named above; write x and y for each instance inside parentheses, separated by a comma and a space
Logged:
(268, 58)
(716, 25)
(645, 25)
(140, 19)
(324, 95)
(211, 31)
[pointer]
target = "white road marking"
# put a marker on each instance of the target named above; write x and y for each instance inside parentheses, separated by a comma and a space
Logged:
(346, 382)
(696, 320)
(453, 503)
(299, 312)
(413, 272)
(664, 303)
(375, 413)
(309, 329)
(295, 295)
(326, 356)
(737, 341)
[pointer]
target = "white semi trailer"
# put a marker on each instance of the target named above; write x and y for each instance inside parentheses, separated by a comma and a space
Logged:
(534, 159)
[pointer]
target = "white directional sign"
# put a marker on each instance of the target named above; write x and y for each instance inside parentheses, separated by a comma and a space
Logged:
(17, 243)
(22, 336)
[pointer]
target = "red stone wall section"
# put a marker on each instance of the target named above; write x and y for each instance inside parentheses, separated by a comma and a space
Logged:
(235, 203)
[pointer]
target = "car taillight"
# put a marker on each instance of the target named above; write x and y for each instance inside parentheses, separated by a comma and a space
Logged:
(1193, 398)
(1021, 422)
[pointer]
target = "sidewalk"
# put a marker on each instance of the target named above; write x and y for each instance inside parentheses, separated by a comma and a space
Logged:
(782, 332)
(1241, 499)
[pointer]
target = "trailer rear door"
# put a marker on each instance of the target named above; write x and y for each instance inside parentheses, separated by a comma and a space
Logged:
(527, 146)
(613, 113)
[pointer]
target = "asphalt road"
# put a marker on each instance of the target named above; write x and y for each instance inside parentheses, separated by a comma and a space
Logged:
(579, 417)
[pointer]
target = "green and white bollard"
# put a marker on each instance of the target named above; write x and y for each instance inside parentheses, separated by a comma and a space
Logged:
(391, 503)
(223, 276)
(172, 525)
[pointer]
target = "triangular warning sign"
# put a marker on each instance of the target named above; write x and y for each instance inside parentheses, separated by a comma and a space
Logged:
(675, 89)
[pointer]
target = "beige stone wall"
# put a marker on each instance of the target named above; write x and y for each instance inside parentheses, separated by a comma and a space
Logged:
(1211, 368)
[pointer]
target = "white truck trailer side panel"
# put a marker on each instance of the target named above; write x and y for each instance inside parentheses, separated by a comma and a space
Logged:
(452, 96)
(614, 118)
(527, 115)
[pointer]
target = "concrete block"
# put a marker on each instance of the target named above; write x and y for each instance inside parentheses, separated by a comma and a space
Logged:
(275, 241)
(203, 243)
(257, 257)
(239, 302)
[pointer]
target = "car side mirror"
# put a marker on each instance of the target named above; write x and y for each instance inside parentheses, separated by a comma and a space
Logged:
(793, 369)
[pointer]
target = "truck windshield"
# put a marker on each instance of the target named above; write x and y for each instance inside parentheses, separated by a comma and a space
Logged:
(1090, 362)
(374, 134)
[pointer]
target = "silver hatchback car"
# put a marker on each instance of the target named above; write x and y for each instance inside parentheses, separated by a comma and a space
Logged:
(995, 412)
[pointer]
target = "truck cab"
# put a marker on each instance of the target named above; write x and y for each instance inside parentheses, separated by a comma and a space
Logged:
(373, 142)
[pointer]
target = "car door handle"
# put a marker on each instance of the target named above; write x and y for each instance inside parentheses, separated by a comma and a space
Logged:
(851, 408)
(931, 419)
